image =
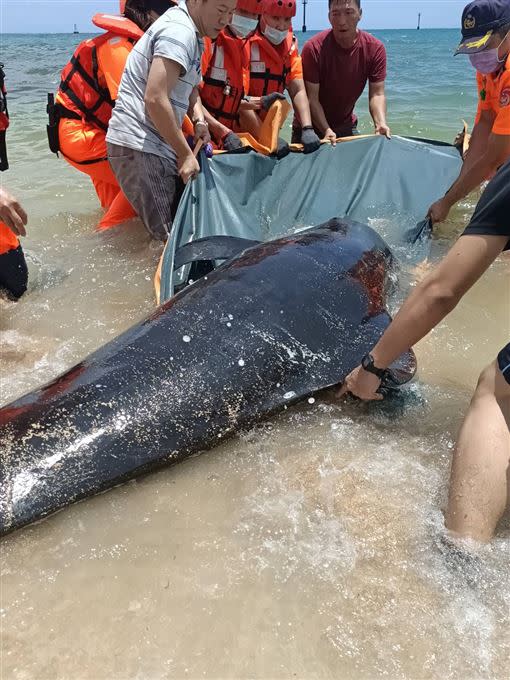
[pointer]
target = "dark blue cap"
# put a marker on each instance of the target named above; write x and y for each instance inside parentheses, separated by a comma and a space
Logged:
(480, 20)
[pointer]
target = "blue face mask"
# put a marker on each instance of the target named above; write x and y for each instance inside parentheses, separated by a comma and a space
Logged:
(243, 26)
(274, 36)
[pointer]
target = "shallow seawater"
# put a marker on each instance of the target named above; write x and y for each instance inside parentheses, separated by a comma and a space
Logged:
(308, 547)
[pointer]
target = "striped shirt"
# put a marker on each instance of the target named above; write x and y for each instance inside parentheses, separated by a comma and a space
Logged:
(173, 36)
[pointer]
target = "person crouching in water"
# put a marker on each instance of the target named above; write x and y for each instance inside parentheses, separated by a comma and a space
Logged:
(87, 94)
(275, 66)
(225, 69)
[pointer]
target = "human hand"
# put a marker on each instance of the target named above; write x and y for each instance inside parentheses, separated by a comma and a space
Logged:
(309, 140)
(383, 129)
(189, 168)
(361, 384)
(282, 149)
(330, 136)
(12, 213)
(268, 100)
(202, 132)
(438, 211)
(231, 142)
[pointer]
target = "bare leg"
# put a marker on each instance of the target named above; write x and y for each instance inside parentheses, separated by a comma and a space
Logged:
(479, 483)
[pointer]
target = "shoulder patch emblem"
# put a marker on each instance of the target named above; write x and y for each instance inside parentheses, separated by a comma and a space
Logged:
(504, 99)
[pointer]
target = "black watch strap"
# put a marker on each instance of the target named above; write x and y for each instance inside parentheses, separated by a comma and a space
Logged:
(368, 365)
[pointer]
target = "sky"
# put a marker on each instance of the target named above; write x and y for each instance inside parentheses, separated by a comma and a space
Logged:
(59, 16)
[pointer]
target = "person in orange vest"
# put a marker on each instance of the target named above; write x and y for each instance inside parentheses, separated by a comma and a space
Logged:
(13, 267)
(275, 66)
(225, 69)
(86, 97)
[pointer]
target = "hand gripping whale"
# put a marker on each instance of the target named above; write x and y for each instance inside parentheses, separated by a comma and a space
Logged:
(275, 324)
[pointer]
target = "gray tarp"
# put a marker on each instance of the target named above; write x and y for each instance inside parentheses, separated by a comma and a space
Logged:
(388, 184)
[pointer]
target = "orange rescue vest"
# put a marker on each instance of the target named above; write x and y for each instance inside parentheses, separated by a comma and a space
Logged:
(8, 239)
(222, 88)
(83, 90)
(270, 65)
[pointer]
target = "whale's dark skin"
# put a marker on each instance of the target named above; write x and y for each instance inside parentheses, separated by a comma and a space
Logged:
(278, 323)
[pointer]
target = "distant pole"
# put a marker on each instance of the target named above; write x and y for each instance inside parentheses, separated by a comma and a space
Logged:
(419, 21)
(304, 15)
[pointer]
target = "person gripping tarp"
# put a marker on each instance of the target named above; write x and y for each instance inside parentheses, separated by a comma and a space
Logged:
(386, 184)
(13, 266)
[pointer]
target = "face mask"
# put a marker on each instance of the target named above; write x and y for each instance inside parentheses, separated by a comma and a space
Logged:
(243, 26)
(486, 62)
(275, 36)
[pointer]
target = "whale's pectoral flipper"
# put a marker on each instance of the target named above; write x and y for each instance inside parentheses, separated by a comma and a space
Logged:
(212, 248)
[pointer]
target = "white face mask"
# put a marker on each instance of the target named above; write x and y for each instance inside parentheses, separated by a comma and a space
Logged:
(274, 35)
(242, 26)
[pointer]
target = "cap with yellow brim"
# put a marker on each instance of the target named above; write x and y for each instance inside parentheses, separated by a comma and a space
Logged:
(474, 44)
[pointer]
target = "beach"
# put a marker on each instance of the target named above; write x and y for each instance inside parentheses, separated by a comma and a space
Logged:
(306, 547)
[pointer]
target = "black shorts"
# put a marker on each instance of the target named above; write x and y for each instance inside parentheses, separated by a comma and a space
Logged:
(13, 273)
(504, 362)
(492, 214)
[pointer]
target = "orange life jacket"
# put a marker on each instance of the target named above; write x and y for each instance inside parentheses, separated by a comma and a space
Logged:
(270, 64)
(83, 90)
(222, 88)
(8, 239)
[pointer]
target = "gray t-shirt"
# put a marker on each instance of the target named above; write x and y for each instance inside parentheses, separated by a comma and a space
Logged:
(173, 36)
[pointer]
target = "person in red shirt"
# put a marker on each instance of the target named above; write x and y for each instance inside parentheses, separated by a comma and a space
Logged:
(337, 63)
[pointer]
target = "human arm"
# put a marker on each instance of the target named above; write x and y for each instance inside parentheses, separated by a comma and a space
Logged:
(430, 302)
(479, 139)
(297, 92)
(12, 214)
(317, 112)
(377, 107)
(196, 112)
(309, 139)
(111, 58)
(163, 76)
(480, 168)
(311, 70)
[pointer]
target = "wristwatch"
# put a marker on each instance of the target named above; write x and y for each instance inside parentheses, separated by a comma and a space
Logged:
(368, 365)
(200, 121)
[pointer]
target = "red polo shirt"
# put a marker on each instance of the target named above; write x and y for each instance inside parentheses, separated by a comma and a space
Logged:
(342, 74)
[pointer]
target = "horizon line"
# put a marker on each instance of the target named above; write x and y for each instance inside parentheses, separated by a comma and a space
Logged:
(309, 30)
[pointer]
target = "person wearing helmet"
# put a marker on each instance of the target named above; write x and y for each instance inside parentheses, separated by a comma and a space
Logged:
(275, 66)
(225, 72)
(86, 96)
(486, 41)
